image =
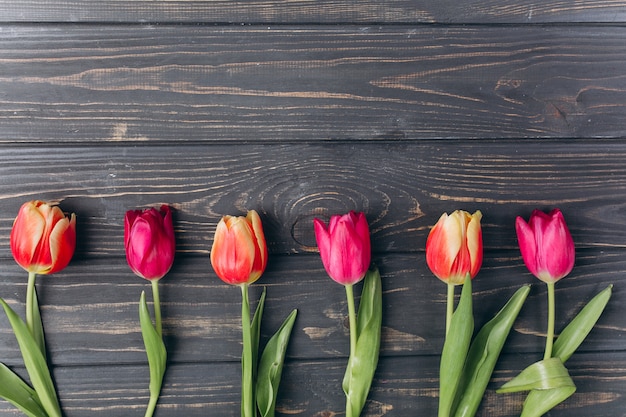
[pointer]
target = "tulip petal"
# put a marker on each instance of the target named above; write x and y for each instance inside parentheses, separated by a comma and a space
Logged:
(28, 227)
(526, 241)
(62, 243)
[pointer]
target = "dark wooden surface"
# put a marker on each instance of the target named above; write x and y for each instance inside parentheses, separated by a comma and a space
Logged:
(400, 109)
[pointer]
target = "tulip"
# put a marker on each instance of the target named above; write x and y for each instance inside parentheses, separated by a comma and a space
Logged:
(548, 251)
(546, 245)
(150, 247)
(149, 242)
(345, 247)
(239, 257)
(345, 250)
(454, 247)
(239, 252)
(43, 238)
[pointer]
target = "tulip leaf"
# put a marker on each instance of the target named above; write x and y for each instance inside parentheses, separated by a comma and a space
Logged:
(549, 384)
(38, 325)
(35, 363)
(483, 354)
(271, 367)
(577, 330)
(455, 350)
(539, 402)
(155, 350)
(542, 375)
(255, 330)
(19, 393)
(362, 366)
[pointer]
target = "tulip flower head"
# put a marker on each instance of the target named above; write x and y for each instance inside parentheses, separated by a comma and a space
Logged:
(239, 252)
(546, 245)
(345, 247)
(43, 238)
(149, 242)
(454, 247)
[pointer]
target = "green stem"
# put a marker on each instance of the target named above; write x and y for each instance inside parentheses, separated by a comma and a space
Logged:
(449, 306)
(352, 318)
(151, 405)
(353, 336)
(550, 331)
(157, 307)
(247, 388)
(30, 294)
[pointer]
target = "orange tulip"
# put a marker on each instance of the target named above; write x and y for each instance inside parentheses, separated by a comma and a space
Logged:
(239, 252)
(43, 238)
(454, 247)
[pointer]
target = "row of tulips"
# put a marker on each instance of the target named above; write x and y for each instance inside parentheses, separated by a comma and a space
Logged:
(43, 240)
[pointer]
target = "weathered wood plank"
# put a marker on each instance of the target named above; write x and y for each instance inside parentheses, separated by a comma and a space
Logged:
(403, 187)
(94, 84)
(90, 310)
(313, 11)
(402, 386)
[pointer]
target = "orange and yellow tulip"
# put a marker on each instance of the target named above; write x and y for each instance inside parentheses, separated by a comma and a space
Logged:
(239, 252)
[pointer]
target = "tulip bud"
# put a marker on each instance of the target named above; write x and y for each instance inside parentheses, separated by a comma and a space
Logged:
(149, 242)
(546, 245)
(43, 238)
(454, 247)
(239, 252)
(344, 247)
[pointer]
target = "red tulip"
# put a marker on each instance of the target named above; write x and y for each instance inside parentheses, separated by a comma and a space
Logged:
(239, 252)
(344, 247)
(546, 245)
(149, 242)
(454, 247)
(43, 238)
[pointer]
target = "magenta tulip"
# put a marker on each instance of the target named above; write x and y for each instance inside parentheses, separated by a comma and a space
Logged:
(344, 247)
(546, 245)
(149, 242)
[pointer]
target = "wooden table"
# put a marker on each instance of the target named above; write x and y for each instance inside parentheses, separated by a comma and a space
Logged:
(304, 109)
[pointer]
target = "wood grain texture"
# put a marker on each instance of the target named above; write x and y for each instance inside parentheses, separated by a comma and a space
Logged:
(313, 11)
(403, 187)
(165, 84)
(302, 109)
(402, 386)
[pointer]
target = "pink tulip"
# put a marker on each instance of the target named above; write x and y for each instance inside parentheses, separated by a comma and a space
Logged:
(239, 252)
(344, 247)
(149, 242)
(454, 247)
(43, 238)
(546, 245)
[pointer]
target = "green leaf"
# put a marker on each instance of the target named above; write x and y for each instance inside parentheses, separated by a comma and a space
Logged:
(155, 349)
(539, 402)
(577, 330)
(255, 331)
(483, 354)
(455, 350)
(38, 325)
(271, 367)
(362, 366)
(19, 393)
(549, 384)
(35, 363)
(543, 375)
